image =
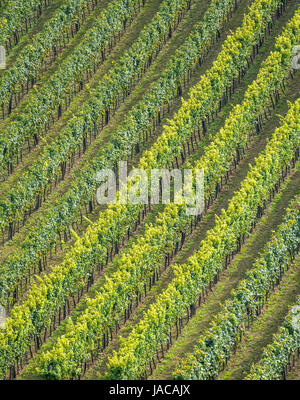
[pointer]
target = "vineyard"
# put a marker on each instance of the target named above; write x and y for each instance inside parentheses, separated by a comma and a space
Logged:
(141, 290)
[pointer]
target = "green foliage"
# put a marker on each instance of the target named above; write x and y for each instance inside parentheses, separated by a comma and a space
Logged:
(14, 14)
(42, 105)
(46, 298)
(33, 57)
(62, 213)
(136, 266)
(217, 344)
(276, 356)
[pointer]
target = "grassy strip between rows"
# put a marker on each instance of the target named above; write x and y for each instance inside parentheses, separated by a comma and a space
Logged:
(277, 355)
(260, 334)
